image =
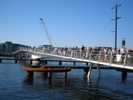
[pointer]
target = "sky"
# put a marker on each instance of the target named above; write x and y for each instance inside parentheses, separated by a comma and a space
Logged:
(69, 22)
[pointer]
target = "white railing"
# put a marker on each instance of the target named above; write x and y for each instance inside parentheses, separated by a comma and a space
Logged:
(125, 59)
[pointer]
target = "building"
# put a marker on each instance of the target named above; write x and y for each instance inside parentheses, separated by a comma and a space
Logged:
(11, 47)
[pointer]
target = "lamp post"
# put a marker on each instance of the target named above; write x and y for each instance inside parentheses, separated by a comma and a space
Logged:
(116, 6)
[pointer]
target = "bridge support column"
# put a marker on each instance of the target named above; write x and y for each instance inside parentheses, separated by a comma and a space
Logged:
(0, 60)
(30, 75)
(65, 77)
(16, 60)
(89, 72)
(98, 69)
(49, 77)
(86, 63)
(124, 75)
(46, 62)
(86, 69)
(60, 62)
(44, 74)
(74, 63)
(31, 61)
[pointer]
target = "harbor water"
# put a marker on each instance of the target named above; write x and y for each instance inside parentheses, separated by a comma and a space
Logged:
(13, 85)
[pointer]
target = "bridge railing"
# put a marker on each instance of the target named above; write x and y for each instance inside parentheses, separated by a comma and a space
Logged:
(125, 59)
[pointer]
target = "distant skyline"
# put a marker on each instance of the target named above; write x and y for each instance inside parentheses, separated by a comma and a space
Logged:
(70, 22)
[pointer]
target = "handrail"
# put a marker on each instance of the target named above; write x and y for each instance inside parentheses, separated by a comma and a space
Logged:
(97, 56)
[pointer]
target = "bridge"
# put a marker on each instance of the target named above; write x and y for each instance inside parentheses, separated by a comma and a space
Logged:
(124, 61)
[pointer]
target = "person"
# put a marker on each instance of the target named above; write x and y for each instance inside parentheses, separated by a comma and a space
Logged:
(102, 54)
(106, 54)
(131, 54)
(122, 52)
(88, 52)
(66, 49)
(82, 50)
(113, 54)
(118, 51)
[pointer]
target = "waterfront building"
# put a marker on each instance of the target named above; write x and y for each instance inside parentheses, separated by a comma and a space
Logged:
(8, 46)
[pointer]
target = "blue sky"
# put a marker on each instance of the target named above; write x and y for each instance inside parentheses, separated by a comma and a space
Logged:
(69, 22)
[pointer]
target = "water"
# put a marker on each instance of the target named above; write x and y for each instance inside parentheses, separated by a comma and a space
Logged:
(108, 87)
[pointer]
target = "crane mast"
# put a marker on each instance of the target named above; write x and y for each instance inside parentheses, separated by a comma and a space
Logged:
(45, 29)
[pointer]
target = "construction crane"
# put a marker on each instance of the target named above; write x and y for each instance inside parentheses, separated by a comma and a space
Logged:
(45, 29)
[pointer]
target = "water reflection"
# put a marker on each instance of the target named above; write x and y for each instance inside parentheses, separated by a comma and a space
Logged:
(28, 81)
(89, 80)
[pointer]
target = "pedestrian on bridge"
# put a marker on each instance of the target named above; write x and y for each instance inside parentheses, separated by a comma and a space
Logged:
(122, 52)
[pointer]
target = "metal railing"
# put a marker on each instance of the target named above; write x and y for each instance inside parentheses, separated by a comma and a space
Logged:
(125, 59)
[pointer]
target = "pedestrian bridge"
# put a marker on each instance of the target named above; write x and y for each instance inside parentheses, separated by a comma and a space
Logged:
(124, 61)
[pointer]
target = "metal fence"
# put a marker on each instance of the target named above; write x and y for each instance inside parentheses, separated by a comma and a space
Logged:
(125, 59)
